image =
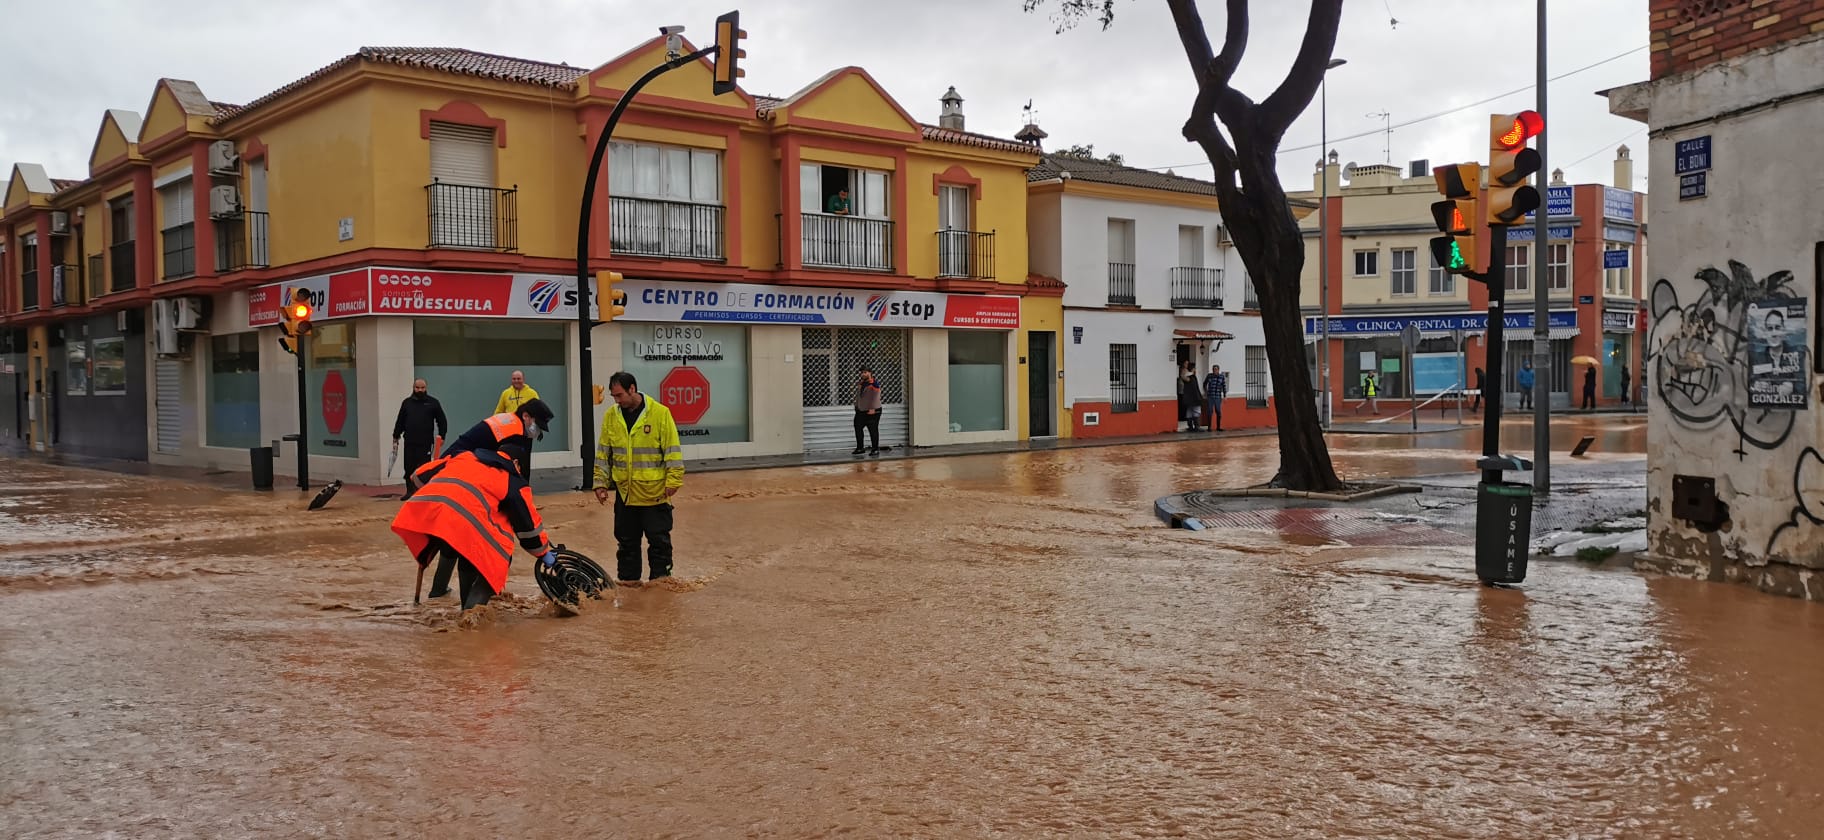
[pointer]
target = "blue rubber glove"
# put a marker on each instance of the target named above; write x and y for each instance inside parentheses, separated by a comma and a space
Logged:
(549, 558)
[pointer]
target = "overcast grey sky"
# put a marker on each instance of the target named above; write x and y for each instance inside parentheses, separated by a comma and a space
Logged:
(1125, 90)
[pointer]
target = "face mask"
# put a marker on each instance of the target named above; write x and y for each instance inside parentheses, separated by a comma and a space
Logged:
(536, 432)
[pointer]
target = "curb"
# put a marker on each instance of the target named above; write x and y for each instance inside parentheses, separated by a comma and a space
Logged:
(1174, 510)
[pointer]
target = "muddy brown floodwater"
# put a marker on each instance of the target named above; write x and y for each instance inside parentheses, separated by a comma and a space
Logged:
(997, 645)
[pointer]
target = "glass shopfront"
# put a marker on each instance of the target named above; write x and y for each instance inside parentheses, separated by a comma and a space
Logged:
(466, 365)
(330, 388)
(234, 390)
(717, 354)
(978, 381)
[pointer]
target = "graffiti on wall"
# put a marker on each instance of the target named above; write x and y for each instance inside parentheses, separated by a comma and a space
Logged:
(1700, 353)
(1790, 539)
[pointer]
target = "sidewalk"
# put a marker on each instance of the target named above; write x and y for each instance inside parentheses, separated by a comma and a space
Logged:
(1585, 493)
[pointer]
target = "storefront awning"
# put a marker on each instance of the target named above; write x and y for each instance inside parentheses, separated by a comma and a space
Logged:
(1203, 335)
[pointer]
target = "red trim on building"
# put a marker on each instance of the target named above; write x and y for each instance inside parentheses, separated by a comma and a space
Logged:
(256, 150)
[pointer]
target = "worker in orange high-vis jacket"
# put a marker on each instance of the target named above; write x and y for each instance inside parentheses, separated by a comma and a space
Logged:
(470, 509)
(530, 421)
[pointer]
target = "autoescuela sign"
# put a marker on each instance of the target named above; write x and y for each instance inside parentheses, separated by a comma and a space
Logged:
(422, 293)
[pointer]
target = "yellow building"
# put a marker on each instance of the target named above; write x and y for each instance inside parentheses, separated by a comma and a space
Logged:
(428, 199)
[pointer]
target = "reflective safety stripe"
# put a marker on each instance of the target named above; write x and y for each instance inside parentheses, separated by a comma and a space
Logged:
(420, 498)
(647, 450)
(675, 450)
(526, 535)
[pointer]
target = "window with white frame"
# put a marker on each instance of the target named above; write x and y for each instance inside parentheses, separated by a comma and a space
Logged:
(1615, 281)
(1367, 264)
(177, 226)
(1517, 277)
(1442, 282)
(845, 217)
(1558, 269)
(665, 201)
(1403, 266)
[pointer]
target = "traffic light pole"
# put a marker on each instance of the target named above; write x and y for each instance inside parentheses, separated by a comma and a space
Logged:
(1495, 278)
(303, 416)
(1542, 307)
(584, 295)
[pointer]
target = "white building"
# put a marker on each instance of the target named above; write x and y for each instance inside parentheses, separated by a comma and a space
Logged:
(1152, 282)
(1735, 475)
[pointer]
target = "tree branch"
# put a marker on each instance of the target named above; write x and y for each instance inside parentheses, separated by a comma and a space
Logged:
(1294, 94)
(1213, 72)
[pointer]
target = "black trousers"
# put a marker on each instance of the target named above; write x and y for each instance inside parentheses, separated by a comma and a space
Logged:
(634, 521)
(871, 422)
(1589, 399)
(475, 590)
(415, 455)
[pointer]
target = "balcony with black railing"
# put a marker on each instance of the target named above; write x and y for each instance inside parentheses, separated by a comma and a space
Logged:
(1250, 300)
(122, 267)
(467, 216)
(28, 290)
(66, 285)
(649, 227)
(965, 255)
(98, 276)
(1121, 284)
(846, 242)
(241, 241)
(1194, 287)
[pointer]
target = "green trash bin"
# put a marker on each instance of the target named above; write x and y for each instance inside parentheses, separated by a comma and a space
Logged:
(1504, 530)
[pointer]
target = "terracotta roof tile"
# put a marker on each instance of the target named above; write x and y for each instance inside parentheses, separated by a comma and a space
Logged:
(444, 59)
(1103, 172)
(61, 184)
(970, 138)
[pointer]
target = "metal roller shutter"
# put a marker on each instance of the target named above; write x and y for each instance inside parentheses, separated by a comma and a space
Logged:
(832, 361)
(462, 196)
(169, 374)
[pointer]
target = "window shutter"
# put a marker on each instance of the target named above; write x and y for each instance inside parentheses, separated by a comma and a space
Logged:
(462, 154)
(179, 205)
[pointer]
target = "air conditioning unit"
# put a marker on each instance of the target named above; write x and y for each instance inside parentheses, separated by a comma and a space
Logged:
(1222, 235)
(223, 157)
(164, 327)
(60, 223)
(224, 200)
(189, 313)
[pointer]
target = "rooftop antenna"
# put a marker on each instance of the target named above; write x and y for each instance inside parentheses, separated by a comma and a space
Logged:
(1386, 117)
(1392, 21)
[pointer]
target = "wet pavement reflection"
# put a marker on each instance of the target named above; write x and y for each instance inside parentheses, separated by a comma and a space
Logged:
(983, 645)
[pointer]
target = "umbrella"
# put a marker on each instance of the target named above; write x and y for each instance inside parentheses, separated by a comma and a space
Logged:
(1585, 360)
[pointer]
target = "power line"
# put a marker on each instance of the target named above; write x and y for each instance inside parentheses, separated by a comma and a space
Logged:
(1601, 149)
(1428, 117)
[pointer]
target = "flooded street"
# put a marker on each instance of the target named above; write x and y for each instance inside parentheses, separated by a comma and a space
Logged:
(973, 646)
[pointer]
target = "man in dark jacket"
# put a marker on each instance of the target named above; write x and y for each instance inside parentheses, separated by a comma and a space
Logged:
(421, 425)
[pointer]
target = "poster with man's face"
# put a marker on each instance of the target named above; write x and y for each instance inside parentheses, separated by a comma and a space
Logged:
(1778, 358)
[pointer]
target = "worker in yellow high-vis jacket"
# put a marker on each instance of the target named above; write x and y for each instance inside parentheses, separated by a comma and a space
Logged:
(639, 460)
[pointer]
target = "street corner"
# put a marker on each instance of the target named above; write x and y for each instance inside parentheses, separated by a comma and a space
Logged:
(1364, 514)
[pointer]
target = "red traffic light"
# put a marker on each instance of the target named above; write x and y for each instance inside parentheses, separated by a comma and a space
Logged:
(1526, 125)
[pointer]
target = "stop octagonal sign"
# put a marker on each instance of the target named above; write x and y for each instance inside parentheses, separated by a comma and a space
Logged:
(685, 390)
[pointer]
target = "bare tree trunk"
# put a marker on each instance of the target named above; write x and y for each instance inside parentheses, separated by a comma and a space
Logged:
(1253, 202)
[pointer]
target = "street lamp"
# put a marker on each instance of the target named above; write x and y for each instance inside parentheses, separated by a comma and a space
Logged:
(1323, 240)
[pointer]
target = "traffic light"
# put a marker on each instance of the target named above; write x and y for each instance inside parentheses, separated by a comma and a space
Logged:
(295, 318)
(1455, 216)
(1510, 163)
(729, 36)
(612, 300)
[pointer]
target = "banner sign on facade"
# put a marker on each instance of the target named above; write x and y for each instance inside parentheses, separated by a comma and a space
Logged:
(423, 293)
(1472, 322)
(1778, 366)
(1557, 203)
(1528, 233)
(470, 294)
(1618, 321)
(651, 300)
(1618, 203)
(1617, 258)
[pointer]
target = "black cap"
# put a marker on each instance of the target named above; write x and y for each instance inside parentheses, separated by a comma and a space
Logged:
(514, 449)
(538, 411)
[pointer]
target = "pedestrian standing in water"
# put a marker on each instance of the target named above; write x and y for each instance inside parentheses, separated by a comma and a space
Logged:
(421, 425)
(639, 460)
(867, 411)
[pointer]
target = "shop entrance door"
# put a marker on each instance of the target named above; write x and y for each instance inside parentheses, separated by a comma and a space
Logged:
(1040, 374)
(832, 363)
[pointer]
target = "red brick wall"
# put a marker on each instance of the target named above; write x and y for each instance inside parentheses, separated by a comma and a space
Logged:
(1691, 34)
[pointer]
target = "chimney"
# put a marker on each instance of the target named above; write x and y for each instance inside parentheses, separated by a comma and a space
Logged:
(1624, 170)
(951, 116)
(1033, 134)
(1557, 177)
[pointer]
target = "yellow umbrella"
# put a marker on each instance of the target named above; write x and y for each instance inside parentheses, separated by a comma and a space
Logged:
(1585, 360)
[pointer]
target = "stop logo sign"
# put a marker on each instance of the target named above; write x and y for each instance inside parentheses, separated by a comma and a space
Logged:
(335, 402)
(685, 390)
